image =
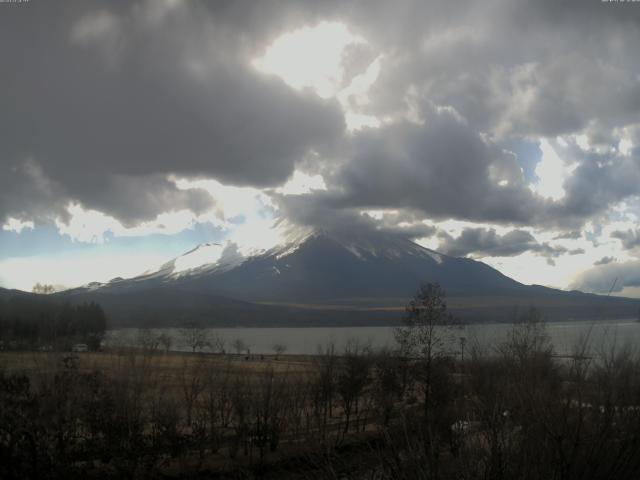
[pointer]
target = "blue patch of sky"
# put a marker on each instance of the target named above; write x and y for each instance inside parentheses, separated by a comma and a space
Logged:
(237, 220)
(46, 241)
(529, 155)
(42, 239)
(594, 235)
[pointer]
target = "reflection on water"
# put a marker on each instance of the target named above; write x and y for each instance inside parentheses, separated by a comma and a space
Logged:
(564, 336)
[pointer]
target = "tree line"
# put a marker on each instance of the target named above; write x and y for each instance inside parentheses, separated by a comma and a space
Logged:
(28, 322)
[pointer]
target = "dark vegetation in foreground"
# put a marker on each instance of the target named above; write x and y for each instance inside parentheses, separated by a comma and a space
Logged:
(418, 412)
(38, 322)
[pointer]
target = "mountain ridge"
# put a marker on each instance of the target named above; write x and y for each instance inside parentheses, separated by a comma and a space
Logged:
(322, 278)
(306, 267)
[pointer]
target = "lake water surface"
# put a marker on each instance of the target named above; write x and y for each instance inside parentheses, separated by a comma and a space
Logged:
(564, 336)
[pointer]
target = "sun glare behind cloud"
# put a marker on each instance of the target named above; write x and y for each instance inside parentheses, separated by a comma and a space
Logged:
(552, 172)
(310, 57)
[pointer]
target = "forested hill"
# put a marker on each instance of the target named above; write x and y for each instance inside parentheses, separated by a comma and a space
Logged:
(30, 320)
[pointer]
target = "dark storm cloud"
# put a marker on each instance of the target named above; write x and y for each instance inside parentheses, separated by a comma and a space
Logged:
(25, 192)
(540, 68)
(511, 70)
(131, 198)
(102, 101)
(319, 213)
(106, 96)
(442, 168)
(445, 169)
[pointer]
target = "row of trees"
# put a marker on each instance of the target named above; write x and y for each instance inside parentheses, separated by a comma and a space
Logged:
(196, 338)
(28, 322)
(137, 418)
(514, 414)
(43, 289)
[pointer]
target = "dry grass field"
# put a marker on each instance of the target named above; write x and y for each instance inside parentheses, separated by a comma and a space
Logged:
(199, 412)
(113, 362)
(357, 413)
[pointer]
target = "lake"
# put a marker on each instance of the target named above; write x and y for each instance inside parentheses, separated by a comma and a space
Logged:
(563, 335)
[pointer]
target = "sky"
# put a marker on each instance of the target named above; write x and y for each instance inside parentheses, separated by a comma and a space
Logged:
(504, 131)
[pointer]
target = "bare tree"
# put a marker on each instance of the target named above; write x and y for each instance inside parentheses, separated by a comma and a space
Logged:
(425, 338)
(279, 349)
(267, 403)
(352, 378)
(427, 332)
(43, 289)
(216, 403)
(192, 384)
(196, 337)
(217, 342)
(388, 385)
(147, 340)
(239, 345)
(166, 341)
(324, 387)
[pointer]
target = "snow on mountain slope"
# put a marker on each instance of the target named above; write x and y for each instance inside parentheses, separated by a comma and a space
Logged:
(361, 246)
(208, 257)
(204, 254)
(318, 266)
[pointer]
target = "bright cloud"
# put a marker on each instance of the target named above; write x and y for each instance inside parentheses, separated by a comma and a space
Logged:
(552, 172)
(91, 226)
(301, 183)
(75, 270)
(314, 57)
(15, 225)
(310, 57)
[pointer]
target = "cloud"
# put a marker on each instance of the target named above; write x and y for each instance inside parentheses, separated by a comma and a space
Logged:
(309, 211)
(571, 235)
(108, 101)
(515, 71)
(604, 278)
(600, 181)
(14, 225)
(630, 238)
(24, 272)
(441, 167)
(486, 242)
(509, 68)
(604, 261)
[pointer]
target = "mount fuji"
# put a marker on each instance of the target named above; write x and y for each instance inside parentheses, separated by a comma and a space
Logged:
(321, 277)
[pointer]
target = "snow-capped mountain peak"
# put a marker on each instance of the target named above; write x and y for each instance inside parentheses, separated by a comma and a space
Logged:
(320, 264)
(364, 246)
